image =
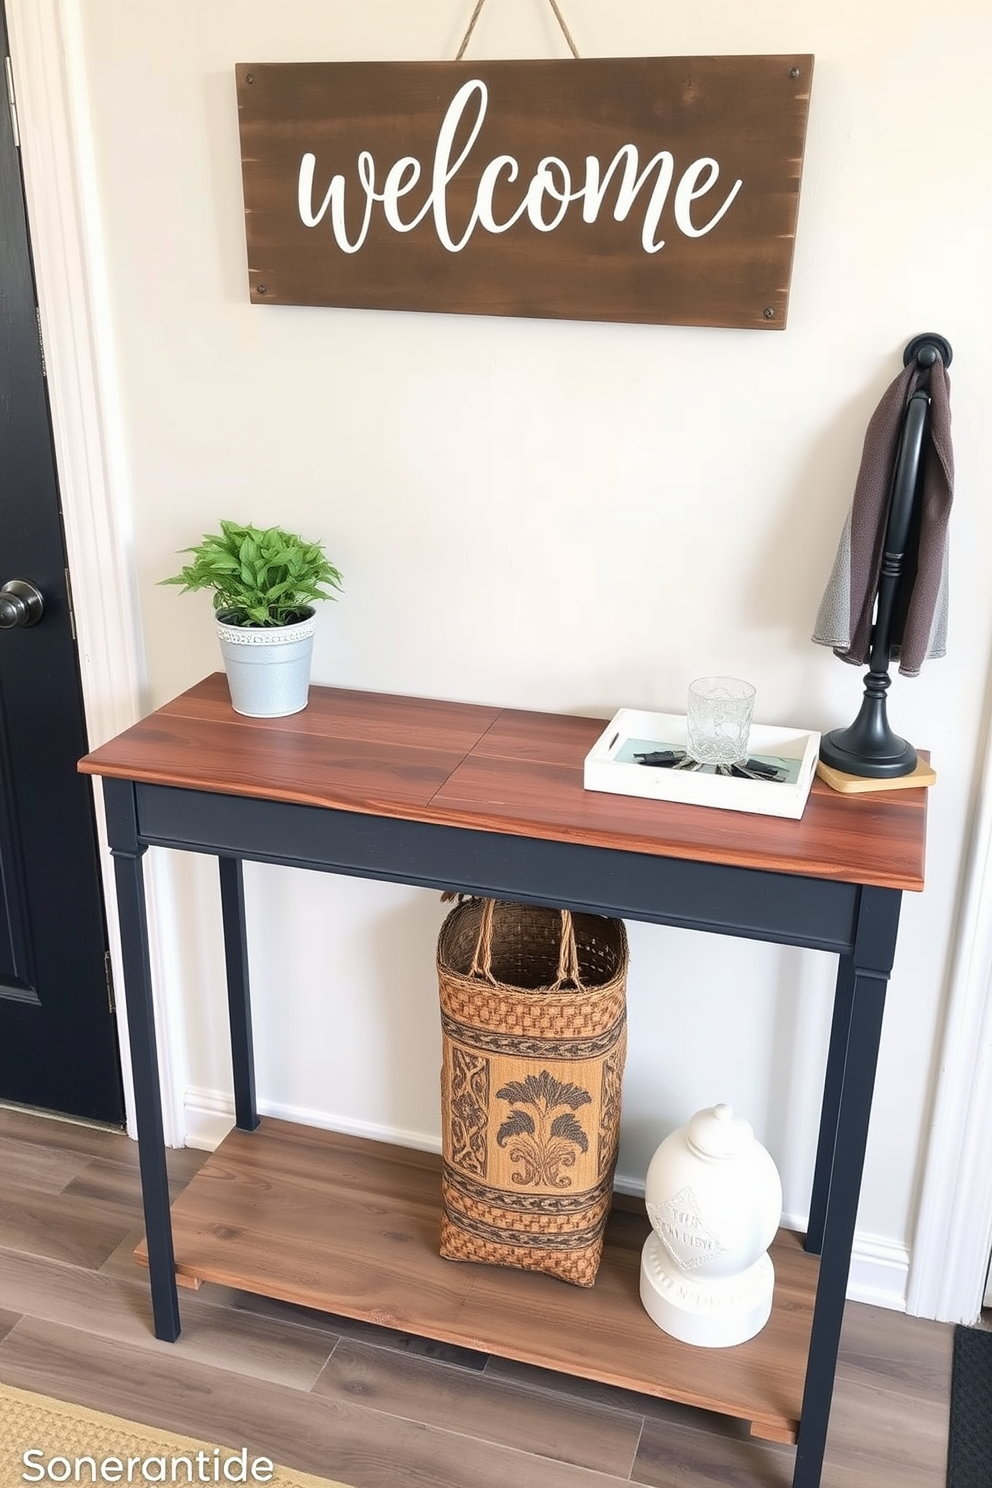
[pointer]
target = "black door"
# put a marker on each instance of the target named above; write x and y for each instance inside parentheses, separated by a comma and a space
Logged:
(58, 1041)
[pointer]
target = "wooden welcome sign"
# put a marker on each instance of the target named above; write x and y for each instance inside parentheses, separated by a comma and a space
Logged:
(660, 189)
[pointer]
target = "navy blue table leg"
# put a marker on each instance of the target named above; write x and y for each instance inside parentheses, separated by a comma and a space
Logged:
(874, 949)
(833, 1083)
(232, 898)
(122, 828)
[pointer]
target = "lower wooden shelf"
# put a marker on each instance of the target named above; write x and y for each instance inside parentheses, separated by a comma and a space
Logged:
(351, 1227)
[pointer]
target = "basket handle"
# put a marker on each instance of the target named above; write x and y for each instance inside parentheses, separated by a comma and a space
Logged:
(568, 954)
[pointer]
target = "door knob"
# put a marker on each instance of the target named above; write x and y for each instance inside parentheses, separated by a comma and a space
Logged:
(21, 604)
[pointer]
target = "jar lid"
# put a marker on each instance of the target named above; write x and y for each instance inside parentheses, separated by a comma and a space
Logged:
(717, 1132)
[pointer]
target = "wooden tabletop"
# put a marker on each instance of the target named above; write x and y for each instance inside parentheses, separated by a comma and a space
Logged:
(499, 770)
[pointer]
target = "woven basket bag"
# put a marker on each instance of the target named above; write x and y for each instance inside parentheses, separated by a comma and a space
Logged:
(533, 1016)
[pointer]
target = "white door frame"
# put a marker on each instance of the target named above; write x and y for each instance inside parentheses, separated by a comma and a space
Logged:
(954, 1223)
(953, 1239)
(49, 75)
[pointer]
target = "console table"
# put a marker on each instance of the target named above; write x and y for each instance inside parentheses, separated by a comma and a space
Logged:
(490, 801)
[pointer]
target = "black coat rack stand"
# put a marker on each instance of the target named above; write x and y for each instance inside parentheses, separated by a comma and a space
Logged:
(869, 747)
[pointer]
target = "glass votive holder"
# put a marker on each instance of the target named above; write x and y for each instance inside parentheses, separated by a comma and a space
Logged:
(718, 720)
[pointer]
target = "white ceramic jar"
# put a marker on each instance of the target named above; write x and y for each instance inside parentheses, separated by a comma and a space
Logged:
(714, 1199)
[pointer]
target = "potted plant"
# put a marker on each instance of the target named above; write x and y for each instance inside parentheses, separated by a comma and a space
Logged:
(265, 583)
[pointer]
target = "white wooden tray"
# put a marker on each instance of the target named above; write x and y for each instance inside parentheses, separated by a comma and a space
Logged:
(610, 766)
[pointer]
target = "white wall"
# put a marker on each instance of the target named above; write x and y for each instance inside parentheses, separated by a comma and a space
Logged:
(570, 516)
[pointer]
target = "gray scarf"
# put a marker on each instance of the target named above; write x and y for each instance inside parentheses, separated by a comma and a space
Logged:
(846, 611)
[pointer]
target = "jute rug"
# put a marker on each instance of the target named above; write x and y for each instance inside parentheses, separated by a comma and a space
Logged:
(969, 1447)
(50, 1441)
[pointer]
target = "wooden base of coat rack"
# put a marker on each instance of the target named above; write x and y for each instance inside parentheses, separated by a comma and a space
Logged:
(857, 785)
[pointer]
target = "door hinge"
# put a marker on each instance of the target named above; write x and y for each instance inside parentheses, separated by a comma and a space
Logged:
(108, 972)
(41, 342)
(68, 598)
(13, 105)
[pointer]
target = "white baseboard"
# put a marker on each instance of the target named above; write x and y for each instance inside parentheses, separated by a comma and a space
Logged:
(879, 1272)
(210, 1116)
(879, 1267)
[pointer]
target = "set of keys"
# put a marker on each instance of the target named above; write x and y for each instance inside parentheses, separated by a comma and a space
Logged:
(678, 759)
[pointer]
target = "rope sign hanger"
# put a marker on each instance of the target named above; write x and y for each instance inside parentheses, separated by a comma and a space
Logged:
(478, 11)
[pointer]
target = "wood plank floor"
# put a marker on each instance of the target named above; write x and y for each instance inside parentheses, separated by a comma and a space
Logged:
(375, 1408)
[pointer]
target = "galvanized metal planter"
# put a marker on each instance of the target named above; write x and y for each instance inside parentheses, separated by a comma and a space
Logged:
(268, 667)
